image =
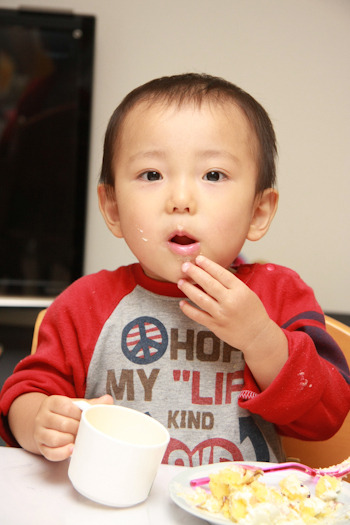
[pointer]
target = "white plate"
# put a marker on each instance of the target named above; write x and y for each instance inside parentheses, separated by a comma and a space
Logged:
(181, 484)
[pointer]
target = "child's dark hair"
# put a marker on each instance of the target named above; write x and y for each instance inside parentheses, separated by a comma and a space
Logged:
(196, 88)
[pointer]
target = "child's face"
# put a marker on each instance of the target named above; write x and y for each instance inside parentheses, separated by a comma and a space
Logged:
(185, 183)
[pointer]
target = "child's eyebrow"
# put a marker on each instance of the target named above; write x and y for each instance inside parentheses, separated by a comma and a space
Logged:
(213, 153)
(148, 154)
(202, 154)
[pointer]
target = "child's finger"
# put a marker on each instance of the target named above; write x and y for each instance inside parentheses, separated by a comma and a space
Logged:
(212, 285)
(196, 314)
(197, 276)
(219, 273)
(103, 400)
(56, 431)
(198, 296)
(57, 454)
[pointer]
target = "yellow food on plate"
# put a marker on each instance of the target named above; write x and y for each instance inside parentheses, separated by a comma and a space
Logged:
(242, 496)
(328, 487)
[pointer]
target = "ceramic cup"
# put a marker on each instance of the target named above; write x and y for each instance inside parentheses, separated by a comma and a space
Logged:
(116, 455)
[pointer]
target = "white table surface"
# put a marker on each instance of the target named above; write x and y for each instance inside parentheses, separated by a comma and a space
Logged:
(34, 491)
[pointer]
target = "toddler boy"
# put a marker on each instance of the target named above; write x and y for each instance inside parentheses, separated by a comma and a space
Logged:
(226, 357)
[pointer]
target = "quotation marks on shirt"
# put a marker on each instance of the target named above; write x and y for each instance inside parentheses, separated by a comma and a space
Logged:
(186, 375)
(219, 392)
(144, 340)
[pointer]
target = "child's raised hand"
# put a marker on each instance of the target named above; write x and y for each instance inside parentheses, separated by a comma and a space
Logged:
(234, 313)
(56, 425)
(225, 304)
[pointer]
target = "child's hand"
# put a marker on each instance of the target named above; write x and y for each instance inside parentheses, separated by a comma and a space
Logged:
(233, 312)
(225, 304)
(56, 425)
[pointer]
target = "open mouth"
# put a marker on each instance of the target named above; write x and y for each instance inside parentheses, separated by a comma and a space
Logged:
(183, 240)
(183, 245)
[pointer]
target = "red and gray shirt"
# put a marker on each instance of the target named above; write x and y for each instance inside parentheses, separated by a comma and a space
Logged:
(124, 334)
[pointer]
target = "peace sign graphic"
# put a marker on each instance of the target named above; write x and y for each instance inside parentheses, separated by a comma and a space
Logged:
(144, 340)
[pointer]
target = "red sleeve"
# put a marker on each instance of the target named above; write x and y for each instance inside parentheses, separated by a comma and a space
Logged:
(310, 397)
(66, 341)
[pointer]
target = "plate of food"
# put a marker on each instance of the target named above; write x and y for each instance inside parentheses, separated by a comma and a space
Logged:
(238, 493)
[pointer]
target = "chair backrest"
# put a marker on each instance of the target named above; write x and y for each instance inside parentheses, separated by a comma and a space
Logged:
(38, 321)
(337, 448)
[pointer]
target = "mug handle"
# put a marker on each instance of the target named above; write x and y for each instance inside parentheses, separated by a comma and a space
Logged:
(80, 403)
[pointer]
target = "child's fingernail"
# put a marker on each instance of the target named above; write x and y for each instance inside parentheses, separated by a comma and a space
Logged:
(185, 266)
(180, 283)
(199, 259)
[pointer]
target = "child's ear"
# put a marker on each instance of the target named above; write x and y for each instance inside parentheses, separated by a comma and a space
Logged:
(109, 209)
(264, 211)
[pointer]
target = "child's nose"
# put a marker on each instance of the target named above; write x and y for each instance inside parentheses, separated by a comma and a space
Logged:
(182, 199)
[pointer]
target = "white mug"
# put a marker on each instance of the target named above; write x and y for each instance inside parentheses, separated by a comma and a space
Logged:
(117, 454)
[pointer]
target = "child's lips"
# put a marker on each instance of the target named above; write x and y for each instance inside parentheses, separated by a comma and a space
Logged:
(183, 244)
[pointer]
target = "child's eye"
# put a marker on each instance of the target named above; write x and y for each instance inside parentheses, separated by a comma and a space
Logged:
(151, 175)
(214, 176)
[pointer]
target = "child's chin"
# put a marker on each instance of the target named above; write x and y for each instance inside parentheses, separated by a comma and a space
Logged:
(166, 276)
(171, 274)
(174, 276)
